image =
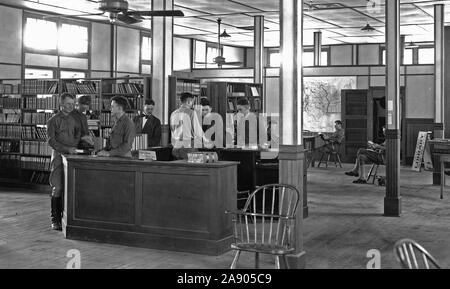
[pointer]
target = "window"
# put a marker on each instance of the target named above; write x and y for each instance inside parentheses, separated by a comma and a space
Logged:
(72, 74)
(146, 49)
(408, 57)
(426, 55)
(40, 34)
(73, 39)
(32, 73)
(274, 59)
(308, 58)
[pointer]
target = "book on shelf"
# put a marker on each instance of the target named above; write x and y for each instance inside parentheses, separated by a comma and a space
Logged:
(41, 178)
(35, 148)
(231, 105)
(39, 86)
(44, 103)
(9, 131)
(9, 102)
(9, 146)
(32, 132)
(35, 163)
(140, 142)
(84, 87)
(39, 118)
(13, 118)
(7, 88)
(127, 88)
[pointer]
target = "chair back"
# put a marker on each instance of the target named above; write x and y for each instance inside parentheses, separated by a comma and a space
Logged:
(406, 250)
(268, 216)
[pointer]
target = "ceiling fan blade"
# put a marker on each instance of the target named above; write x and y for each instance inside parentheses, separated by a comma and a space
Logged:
(158, 13)
(125, 18)
(80, 15)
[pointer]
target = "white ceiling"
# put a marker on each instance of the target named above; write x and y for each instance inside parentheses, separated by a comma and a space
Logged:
(339, 21)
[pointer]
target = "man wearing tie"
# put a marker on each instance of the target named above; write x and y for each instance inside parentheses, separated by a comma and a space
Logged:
(148, 124)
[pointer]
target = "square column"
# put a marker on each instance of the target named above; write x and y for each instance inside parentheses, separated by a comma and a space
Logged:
(162, 64)
(259, 49)
(292, 152)
(439, 60)
(392, 202)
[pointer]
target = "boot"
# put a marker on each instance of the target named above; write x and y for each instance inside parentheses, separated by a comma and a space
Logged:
(55, 214)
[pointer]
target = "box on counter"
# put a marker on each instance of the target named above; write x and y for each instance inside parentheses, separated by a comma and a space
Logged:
(203, 157)
(145, 155)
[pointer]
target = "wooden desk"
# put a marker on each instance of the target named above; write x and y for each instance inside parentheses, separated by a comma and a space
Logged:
(438, 147)
(175, 206)
(443, 159)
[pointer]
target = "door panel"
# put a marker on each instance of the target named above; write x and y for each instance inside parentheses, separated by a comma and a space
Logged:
(356, 116)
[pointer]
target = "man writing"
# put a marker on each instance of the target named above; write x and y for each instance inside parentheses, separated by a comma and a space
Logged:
(63, 138)
(123, 132)
(148, 124)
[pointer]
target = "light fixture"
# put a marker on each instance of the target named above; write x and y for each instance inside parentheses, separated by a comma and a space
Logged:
(368, 28)
(225, 34)
(113, 17)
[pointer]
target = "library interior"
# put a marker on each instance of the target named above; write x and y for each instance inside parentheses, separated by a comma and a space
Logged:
(216, 134)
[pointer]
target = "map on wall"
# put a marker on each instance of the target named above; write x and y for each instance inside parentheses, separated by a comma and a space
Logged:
(322, 101)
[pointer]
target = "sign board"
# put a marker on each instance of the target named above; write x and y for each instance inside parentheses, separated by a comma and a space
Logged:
(423, 153)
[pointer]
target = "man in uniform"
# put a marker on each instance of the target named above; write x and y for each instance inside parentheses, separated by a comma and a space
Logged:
(63, 138)
(79, 114)
(123, 132)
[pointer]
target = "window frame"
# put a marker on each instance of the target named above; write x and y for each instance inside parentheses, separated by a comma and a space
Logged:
(142, 62)
(59, 22)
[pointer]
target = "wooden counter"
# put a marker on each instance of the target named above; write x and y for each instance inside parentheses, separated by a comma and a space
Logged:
(173, 206)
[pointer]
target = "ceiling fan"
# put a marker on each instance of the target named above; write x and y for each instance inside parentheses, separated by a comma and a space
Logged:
(220, 60)
(117, 10)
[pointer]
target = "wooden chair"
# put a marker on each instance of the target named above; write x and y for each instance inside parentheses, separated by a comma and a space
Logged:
(331, 149)
(373, 172)
(405, 252)
(265, 224)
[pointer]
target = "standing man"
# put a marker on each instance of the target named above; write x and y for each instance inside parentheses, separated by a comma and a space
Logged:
(149, 124)
(123, 132)
(79, 114)
(63, 138)
(187, 133)
(247, 124)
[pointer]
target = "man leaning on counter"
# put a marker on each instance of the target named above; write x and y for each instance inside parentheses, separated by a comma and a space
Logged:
(123, 132)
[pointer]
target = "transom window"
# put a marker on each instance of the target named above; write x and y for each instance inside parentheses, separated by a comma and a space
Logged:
(41, 34)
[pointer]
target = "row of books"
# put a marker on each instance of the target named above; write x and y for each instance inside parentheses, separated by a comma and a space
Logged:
(6, 88)
(105, 133)
(242, 90)
(9, 161)
(85, 87)
(96, 104)
(255, 104)
(9, 118)
(41, 178)
(10, 102)
(140, 142)
(39, 86)
(134, 103)
(48, 103)
(107, 120)
(35, 163)
(9, 146)
(132, 87)
(32, 132)
(35, 148)
(36, 117)
(9, 131)
(190, 87)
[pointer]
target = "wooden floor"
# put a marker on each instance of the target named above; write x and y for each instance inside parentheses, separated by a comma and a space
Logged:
(345, 222)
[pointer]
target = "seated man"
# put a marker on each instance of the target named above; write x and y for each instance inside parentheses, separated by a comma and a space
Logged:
(374, 153)
(335, 138)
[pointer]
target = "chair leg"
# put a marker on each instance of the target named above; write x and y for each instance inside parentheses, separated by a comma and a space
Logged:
(339, 159)
(370, 173)
(375, 175)
(256, 260)
(328, 159)
(286, 264)
(277, 262)
(235, 260)
(321, 158)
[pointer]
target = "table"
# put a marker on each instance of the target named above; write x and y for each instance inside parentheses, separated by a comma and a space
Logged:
(311, 144)
(174, 206)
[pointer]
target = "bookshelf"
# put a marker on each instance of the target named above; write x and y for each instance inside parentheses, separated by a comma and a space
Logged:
(178, 85)
(27, 104)
(224, 96)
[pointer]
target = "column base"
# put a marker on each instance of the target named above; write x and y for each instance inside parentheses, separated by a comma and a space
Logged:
(436, 179)
(297, 261)
(392, 207)
(305, 212)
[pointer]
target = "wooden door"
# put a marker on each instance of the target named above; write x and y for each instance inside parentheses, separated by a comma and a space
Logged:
(357, 119)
